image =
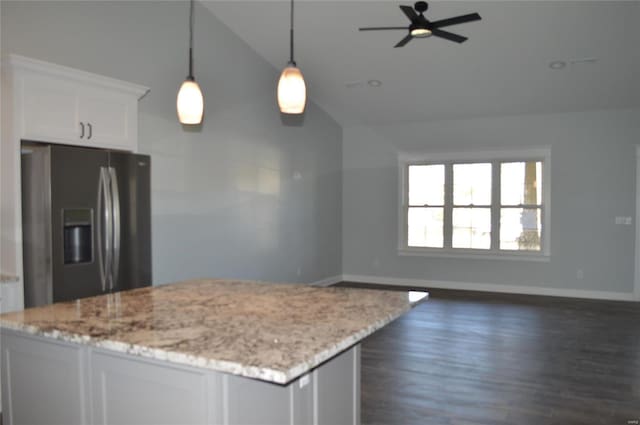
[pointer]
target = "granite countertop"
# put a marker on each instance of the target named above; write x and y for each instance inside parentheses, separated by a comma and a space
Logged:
(273, 332)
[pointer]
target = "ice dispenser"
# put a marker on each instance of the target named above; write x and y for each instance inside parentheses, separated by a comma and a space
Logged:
(78, 247)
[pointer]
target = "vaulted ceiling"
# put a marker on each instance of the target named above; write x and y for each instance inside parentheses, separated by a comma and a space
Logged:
(502, 69)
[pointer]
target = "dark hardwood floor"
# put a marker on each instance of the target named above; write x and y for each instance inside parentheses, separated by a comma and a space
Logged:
(466, 358)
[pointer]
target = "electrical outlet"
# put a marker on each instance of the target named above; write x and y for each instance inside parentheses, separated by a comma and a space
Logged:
(627, 221)
(580, 274)
(305, 380)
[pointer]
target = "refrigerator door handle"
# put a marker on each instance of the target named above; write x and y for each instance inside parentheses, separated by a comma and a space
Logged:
(100, 221)
(115, 195)
(108, 218)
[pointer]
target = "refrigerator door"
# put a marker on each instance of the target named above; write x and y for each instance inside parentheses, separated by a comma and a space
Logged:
(131, 187)
(80, 222)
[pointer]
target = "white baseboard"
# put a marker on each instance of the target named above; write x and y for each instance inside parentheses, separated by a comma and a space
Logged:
(492, 287)
(328, 281)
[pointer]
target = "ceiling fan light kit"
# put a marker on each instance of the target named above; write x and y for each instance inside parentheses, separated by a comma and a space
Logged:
(421, 27)
(421, 32)
(190, 101)
(292, 90)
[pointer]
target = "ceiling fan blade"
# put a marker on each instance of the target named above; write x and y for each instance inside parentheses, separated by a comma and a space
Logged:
(448, 35)
(382, 28)
(411, 14)
(456, 20)
(404, 41)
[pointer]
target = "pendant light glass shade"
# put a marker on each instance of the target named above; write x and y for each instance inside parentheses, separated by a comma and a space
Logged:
(190, 103)
(292, 91)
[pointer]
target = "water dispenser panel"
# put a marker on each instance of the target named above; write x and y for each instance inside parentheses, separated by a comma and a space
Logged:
(78, 231)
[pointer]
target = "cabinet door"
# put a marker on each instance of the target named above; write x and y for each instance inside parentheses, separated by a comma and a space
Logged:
(337, 387)
(111, 118)
(129, 391)
(49, 109)
(43, 381)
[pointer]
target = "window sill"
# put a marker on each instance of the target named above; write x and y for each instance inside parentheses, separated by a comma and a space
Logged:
(508, 256)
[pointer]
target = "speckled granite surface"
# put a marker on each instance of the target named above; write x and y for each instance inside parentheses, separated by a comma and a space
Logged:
(273, 332)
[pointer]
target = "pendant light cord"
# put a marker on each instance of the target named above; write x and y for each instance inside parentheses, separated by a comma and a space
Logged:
(291, 37)
(190, 40)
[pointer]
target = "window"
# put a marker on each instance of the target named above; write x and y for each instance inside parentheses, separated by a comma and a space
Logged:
(490, 204)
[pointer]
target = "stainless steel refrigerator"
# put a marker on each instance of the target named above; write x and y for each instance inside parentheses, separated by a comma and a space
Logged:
(86, 222)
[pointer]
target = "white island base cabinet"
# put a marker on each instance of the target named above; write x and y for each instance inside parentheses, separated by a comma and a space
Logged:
(46, 381)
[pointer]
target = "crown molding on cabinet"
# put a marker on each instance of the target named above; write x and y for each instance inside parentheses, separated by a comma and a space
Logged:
(18, 62)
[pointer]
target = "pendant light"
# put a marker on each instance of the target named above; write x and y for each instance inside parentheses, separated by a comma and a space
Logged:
(292, 91)
(190, 102)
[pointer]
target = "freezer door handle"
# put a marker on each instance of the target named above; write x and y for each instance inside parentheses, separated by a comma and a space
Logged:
(115, 196)
(101, 219)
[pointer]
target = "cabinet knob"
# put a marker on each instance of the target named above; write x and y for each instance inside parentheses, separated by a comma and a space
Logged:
(81, 130)
(90, 130)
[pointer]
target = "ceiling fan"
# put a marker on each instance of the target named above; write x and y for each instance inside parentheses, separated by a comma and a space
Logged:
(421, 27)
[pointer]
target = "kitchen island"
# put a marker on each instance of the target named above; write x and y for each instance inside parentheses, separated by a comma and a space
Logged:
(200, 351)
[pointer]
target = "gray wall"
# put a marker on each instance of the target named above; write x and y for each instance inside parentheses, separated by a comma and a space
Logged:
(245, 196)
(593, 162)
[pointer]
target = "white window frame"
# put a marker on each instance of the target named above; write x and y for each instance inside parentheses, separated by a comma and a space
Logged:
(493, 156)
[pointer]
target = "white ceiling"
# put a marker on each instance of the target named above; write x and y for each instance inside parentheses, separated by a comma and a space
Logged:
(502, 69)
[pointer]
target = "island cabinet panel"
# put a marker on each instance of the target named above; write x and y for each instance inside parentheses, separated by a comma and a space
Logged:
(337, 389)
(252, 402)
(303, 399)
(128, 391)
(330, 395)
(43, 382)
(46, 381)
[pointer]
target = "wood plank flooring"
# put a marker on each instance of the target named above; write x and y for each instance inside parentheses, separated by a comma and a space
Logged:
(470, 358)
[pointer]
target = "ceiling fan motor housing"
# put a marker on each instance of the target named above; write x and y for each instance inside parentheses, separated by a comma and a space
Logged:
(421, 6)
(419, 27)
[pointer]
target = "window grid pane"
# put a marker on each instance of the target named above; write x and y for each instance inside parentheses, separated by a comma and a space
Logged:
(472, 184)
(426, 184)
(471, 228)
(521, 183)
(425, 227)
(520, 229)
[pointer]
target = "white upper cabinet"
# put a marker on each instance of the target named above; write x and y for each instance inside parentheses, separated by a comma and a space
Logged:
(63, 105)
(110, 118)
(50, 107)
